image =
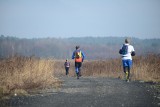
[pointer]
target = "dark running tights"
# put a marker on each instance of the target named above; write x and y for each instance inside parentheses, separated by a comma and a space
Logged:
(128, 69)
(67, 70)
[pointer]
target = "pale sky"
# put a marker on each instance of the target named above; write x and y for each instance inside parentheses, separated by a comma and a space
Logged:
(79, 18)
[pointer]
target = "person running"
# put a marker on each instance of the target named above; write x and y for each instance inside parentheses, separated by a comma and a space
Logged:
(67, 66)
(127, 51)
(79, 56)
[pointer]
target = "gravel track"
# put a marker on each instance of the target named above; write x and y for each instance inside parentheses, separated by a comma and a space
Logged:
(92, 92)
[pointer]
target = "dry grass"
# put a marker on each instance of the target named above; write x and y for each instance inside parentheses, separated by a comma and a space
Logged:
(146, 68)
(59, 69)
(107, 68)
(20, 74)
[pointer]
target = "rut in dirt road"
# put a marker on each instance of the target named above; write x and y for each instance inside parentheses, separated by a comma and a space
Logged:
(92, 92)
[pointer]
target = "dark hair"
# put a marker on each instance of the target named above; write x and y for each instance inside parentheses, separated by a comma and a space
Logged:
(77, 47)
(126, 40)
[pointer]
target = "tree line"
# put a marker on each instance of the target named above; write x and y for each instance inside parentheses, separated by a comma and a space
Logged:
(62, 48)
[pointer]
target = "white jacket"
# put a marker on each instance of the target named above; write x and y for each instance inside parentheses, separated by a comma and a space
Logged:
(128, 55)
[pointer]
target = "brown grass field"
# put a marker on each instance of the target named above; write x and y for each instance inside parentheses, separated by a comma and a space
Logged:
(145, 68)
(20, 74)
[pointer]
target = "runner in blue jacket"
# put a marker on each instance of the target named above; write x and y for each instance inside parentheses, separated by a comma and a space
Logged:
(79, 56)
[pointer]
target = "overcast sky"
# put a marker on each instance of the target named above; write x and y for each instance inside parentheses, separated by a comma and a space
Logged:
(79, 18)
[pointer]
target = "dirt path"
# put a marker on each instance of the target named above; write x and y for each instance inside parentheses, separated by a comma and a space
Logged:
(92, 92)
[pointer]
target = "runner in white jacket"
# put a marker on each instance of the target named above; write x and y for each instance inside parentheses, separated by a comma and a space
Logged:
(127, 51)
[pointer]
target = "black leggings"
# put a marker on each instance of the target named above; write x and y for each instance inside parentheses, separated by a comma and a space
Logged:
(67, 70)
(124, 68)
(78, 65)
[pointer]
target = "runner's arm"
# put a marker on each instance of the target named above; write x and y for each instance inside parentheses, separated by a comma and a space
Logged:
(73, 55)
(133, 51)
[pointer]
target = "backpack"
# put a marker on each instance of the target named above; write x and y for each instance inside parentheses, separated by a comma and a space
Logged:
(124, 49)
(78, 54)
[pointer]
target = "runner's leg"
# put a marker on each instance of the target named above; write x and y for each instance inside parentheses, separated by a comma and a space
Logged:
(77, 70)
(67, 70)
(124, 68)
(125, 72)
(129, 62)
(128, 73)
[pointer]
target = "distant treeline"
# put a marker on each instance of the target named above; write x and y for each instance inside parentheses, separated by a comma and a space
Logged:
(62, 48)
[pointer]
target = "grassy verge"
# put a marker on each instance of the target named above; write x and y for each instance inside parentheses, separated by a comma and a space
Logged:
(145, 68)
(21, 74)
